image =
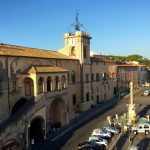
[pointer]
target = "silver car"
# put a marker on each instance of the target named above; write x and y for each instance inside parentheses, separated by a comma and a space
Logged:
(98, 140)
(101, 132)
(111, 129)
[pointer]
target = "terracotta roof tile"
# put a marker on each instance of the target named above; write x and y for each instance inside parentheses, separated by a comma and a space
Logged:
(130, 65)
(11, 50)
(45, 69)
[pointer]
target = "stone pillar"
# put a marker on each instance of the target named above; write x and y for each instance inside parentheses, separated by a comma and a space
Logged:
(131, 107)
(131, 93)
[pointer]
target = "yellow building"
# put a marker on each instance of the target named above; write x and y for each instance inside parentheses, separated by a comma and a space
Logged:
(41, 89)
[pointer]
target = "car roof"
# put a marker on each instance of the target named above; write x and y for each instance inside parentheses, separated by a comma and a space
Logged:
(93, 137)
(97, 130)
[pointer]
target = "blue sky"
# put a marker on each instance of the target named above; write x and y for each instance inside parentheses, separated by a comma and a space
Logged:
(117, 27)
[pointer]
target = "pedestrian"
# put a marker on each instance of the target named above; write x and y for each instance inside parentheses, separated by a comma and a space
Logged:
(32, 144)
(125, 128)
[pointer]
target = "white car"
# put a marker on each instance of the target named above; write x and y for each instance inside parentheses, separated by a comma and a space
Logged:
(146, 93)
(111, 129)
(98, 140)
(141, 128)
(101, 132)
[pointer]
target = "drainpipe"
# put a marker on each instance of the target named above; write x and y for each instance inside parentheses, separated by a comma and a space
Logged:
(7, 67)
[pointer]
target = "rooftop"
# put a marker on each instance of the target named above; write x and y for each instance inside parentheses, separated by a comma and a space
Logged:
(12, 50)
(45, 69)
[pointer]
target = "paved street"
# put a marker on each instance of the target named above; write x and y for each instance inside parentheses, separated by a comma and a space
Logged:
(84, 132)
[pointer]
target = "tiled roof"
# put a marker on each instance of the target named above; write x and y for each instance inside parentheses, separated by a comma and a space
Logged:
(130, 65)
(45, 69)
(11, 50)
(95, 59)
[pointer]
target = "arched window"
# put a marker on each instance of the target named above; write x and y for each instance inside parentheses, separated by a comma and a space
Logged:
(41, 85)
(28, 87)
(49, 84)
(73, 77)
(72, 51)
(56, 83)
(63, 80)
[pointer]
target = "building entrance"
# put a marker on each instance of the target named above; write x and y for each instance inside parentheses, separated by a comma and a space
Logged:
(37, 130)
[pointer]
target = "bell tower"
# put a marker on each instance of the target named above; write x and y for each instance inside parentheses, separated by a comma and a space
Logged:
(77, 44)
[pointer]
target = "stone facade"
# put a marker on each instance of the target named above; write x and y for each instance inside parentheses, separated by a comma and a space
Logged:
(42, 88)
(131, 72)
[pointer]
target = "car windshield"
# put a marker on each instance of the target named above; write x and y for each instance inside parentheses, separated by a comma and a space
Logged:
(104, 131)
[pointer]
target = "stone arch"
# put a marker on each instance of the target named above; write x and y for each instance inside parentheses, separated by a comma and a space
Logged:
(37, 129)
(41, 85)
(58, 113)
(28, 87)
(11, 144)
(18, 105)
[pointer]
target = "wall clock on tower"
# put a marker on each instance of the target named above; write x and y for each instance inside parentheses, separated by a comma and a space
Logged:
(72, 41)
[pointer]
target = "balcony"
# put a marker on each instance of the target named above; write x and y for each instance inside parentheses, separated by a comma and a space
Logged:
(53, 93)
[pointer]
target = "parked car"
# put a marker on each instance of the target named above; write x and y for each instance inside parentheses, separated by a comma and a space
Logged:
(101, 132)
(100, 141)
(111, 129)
(141, 128)
(146, 93)
(89, 145)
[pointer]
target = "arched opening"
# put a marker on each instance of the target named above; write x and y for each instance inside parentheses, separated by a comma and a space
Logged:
(49, 84)
(29, 87)
(58, 115)
(63, 80)
(56, 83)
(18, 105)
(72, 51)
(41, 85)
(37, 129)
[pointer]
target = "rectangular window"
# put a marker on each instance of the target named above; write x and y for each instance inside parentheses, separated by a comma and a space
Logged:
(14, 86)
(87, 96)
(92, 77)
(87, 77)
(74, 99)
(84, 52)
(113, 75)
(0, 87)
(97, 77)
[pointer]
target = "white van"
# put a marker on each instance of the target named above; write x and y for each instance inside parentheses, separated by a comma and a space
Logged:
(146, 93)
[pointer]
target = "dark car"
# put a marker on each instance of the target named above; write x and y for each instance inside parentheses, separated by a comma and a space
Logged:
(88, 145)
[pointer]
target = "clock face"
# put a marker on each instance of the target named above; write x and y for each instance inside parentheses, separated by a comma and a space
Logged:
(72, 41)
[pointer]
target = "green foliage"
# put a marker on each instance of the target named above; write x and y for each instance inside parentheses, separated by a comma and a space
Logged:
(135, 57)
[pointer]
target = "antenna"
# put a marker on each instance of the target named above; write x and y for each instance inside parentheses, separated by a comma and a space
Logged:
(77, 25)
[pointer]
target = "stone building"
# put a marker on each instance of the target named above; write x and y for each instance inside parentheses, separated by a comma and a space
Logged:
(131, 72)
(40, 89)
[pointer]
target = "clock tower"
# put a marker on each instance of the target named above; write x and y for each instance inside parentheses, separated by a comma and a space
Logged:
(77, 44)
